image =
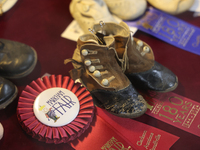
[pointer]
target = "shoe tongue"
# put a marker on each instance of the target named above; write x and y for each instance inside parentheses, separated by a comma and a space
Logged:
(108, 41)
(93, 41)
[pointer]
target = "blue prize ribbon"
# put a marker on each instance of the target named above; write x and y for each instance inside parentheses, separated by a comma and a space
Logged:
(169, 29)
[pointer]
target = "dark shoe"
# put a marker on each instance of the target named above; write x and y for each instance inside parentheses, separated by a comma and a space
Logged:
(8, 92)
(137, 60)
(16, 59)
(99, 71)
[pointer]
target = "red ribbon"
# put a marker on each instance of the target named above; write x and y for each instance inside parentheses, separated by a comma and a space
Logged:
(130, 133)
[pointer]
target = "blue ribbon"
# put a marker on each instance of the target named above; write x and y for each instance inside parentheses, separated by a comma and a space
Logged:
(169, 29)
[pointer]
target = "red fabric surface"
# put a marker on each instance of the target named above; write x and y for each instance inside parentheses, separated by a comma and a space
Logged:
(40, 24)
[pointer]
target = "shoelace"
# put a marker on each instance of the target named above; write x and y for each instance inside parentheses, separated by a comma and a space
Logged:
(125, 60)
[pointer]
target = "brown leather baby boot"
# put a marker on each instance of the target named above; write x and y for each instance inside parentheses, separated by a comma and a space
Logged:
(95, 64)
(137, 60)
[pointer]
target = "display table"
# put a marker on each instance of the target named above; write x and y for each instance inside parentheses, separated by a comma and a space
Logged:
(40, 25)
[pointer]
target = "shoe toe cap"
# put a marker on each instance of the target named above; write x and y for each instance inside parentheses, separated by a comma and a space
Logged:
(159, 79)
(16, 59)
(8, 92)
(126, 103)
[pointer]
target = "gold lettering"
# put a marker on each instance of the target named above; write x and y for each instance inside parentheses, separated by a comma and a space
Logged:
(177, 98)
(196, 44)
(149, 106)
(169, 109)
(188, 103)
(149, 140)
(119, 145)
(155, 142)
(177, 119)
(198, 126)
(139, 143)
(183, 112)
(173, 23)
(112, 144)
(147, 26)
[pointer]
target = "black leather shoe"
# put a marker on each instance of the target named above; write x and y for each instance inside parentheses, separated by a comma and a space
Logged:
(16, 59)
(8, 92)
(158, 78)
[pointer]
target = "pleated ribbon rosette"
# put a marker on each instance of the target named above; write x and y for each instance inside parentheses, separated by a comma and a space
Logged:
(55, 109)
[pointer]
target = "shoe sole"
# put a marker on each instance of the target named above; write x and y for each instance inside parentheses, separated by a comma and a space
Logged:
(25, 73)
(10, 100)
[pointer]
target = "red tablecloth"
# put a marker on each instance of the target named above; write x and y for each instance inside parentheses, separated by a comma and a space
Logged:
(40, 24)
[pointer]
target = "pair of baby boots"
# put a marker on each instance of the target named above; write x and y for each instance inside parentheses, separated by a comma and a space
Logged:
(111, 63)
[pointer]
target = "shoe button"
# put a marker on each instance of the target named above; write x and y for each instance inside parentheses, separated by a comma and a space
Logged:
(92, 68)
(146, 49)
(87, 62)
(97, 73)
(139, 43)
(84, 52)
(104, 82)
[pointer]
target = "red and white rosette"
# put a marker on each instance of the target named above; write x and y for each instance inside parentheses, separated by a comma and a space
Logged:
(55, 109)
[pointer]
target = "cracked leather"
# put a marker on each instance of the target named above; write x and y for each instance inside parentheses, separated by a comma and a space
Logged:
(126, 102)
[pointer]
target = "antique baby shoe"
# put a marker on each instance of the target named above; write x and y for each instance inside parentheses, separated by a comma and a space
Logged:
(16, 59)
(95, 64)
(127, 9)
(89, 12)
(8, 92)
(137, 59)
(172, 6)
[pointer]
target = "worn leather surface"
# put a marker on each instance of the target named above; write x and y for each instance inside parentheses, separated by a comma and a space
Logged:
(126, 47)
(140, 67)
(158, 78)
(125, 103)
(7, 90)
(118, 97)
(16, 59)
(106, 55)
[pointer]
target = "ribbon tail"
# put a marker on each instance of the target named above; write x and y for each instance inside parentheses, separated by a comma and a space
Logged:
(76, 73)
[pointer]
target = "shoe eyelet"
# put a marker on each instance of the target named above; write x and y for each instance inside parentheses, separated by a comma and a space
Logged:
(87, 62)
(97, 73)
(92, 68)
(84, 52)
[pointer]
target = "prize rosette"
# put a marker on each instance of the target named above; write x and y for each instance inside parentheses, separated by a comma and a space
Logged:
(55, 109)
